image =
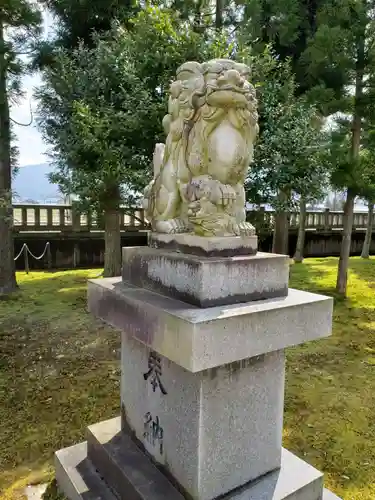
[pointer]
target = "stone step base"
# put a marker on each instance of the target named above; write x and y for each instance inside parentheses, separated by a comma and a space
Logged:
(77, 478)
(124, 466)
(132, 476)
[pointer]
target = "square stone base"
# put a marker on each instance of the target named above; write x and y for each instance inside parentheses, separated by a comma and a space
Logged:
(111, 466)
(207, 282)
(224, 423)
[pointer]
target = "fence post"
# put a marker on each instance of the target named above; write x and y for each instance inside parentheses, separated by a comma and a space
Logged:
(326, 219)
(262, 215)
(49, 218)
(49, 257)
(37, 217)
(76, 218)
(24, 218)
(26, 257)
(76, 255)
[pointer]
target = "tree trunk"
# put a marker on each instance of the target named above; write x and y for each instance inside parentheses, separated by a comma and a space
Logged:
(366, 245)
(8, 282)
(280, 242)
(112, 236)
(342, 273)
(198, 24)
(219, 14)
(298, 256)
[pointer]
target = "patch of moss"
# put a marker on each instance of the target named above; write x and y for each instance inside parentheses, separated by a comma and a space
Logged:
(330, 386)
(59, 372)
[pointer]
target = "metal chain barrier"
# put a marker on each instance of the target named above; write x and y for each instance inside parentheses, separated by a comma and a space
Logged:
(43, 254)
(25, 250)
(21, 251)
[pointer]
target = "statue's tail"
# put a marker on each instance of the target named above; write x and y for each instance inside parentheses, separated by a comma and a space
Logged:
(158, 158)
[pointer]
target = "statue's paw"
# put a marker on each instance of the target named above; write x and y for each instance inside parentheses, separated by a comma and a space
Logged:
(171, 226)
(245, 229)
(228, 194)
(177, 226)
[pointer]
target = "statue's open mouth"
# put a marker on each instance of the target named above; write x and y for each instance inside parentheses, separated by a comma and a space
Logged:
(227, 88)
(227, 95)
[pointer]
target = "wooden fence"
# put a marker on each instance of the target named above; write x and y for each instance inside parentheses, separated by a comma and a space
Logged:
(53, 218)
(62, 218)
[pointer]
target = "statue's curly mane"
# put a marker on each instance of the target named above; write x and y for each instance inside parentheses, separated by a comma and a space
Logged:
(209, 104)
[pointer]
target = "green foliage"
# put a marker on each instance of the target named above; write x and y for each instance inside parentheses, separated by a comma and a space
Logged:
(101, 107)
(356, 173)
(161, 41)
(368, 163)
(94, 111)
(151, 46)
(290, 155)
(289, 25)
(77, 22)
(21, 25)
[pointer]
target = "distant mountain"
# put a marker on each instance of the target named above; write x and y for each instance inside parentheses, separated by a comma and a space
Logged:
(31, 184)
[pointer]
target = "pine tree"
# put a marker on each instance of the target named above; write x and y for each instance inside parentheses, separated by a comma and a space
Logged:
(76, 22)
(331, 44)
(19, 24)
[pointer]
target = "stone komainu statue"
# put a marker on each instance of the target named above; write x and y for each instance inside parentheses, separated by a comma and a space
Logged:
(199, 173)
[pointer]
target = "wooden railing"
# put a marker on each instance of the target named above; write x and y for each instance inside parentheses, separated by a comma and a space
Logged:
(325, 220)
(45, 218)
(329, 221)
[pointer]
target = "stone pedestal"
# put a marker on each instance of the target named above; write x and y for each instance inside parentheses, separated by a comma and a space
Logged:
(202, 387)
(217, 246)
(207, 282)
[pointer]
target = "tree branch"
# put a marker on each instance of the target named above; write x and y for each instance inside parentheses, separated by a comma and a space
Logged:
(25, 124)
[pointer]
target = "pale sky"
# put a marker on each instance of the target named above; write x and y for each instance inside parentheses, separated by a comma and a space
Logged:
(30, 143)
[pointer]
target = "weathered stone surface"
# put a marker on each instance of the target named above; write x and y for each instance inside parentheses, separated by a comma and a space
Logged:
(328, 495)
(295, 480)
(35, 492)
(79, 480)
(77, 477)
(123, 466)
(199, 175)
(205, 246)
(207, 282)
(224, 423)
(198, 339)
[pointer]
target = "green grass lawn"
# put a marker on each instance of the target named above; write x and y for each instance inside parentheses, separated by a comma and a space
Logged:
(59, 372)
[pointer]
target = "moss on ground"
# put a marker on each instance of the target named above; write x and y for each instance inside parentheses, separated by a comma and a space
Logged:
(59, 372)
(330, 387)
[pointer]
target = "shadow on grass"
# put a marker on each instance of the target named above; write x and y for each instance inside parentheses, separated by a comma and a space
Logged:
(319, 276)
(364, 269)
(313, 277)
